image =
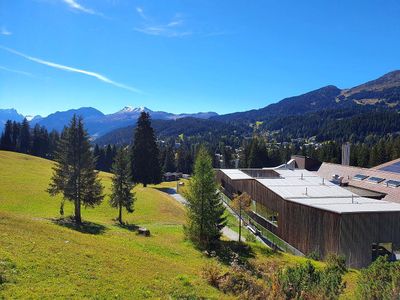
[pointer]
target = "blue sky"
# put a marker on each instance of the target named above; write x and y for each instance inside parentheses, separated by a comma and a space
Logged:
(186, 55)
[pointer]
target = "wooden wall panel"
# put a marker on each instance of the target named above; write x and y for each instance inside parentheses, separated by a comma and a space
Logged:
(310, 229)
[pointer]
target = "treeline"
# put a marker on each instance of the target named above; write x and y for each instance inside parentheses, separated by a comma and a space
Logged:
(20, 137)
(256, 153)
(353, 125)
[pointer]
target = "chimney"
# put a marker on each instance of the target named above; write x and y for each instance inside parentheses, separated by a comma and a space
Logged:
(346, 154)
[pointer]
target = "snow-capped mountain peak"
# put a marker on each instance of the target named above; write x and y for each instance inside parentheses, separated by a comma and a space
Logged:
(131, 109)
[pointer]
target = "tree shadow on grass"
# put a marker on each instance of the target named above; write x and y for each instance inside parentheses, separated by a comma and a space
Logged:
(229, 252)
(84, 227)
(166, 190)
(130, 227)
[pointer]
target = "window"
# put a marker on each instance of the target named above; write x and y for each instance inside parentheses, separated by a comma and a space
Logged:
(360, 177)
(265, 212)
(393, 183)
(375, 179)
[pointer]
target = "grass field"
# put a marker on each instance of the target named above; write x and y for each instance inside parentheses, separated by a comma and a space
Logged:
(49, 261)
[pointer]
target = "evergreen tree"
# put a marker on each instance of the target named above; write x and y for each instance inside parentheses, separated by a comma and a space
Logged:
(205, 208)
(169, 160)
(122, 195)
(6, 137)
(74, 173)
(145, 163)
(15, 135)
(25, 137)
(258, 155)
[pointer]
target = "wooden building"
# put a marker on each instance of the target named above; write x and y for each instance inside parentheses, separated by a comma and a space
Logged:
(314, 215)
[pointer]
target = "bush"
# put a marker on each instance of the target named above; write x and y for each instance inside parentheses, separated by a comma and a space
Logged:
(305, 282)
(336, 262)
(240, 282)
(381, 280)
(212, 273)
(314, 255)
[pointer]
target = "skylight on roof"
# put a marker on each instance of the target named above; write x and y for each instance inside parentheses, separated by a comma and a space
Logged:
(393, 183)
(360, 177)
(375, 179)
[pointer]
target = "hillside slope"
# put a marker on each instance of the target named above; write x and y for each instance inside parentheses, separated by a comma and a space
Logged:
(53, 261)
(47, 260)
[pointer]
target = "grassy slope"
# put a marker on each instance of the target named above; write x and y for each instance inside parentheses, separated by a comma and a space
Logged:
(54, 261)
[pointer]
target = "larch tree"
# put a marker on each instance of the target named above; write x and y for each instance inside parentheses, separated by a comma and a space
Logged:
(205, 216)
(241, 203)
(145, 164)
(122, 195)
(74, 174)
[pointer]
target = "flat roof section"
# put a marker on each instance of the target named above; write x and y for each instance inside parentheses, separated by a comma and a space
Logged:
(348, 205)
(235, 174)
(327, 170)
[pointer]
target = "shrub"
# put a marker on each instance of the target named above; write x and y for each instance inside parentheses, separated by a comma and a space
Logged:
(212, 273)
(314, 255)
(336, 262)
(240, 282)
(305, 282)
(381, 280)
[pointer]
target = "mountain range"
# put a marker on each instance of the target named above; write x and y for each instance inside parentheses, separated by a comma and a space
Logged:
(96, 122)
(326, 103)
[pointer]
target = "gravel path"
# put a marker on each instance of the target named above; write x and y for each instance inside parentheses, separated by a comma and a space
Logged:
(226, 231)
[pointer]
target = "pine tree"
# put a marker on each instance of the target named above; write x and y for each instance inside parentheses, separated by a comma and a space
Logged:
(122, 195)
(169, 160)
(15, 135)
(74, 173)
(6, 137)
(25, 137)
(205, 208)
(145, 165)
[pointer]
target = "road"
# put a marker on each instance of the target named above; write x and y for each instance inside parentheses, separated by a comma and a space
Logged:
(226, 231)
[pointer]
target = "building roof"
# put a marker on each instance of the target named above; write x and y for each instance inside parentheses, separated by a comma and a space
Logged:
(235, 174)
(327, 170)
(307, 188)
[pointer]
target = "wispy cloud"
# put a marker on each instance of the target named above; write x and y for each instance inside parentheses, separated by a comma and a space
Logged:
(141, 13)
(173, 28)
(4, 31)
(16, 71)
(74, 5)
(74, 70)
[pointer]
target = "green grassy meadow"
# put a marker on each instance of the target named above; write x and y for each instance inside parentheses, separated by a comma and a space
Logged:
(51, 261)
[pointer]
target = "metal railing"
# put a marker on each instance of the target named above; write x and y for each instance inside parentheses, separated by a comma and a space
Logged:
(270, 238)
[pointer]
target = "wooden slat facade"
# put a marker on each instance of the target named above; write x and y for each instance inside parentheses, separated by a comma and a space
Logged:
(311, 229)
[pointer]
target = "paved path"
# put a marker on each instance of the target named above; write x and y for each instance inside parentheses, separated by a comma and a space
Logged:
(226, 231)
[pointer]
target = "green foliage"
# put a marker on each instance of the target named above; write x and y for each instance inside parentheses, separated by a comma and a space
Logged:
(122, 195)
(74, 174)
(205, 217)
(314, 255)
(145, 154)
(305, 281)
(381, 280)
